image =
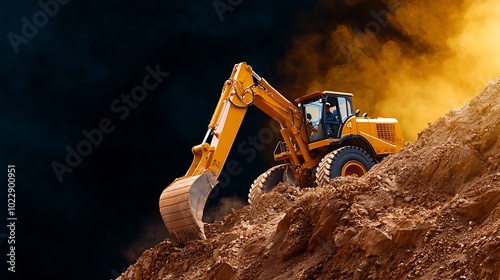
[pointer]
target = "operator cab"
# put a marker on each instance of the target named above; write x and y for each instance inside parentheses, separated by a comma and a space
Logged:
(325, 112)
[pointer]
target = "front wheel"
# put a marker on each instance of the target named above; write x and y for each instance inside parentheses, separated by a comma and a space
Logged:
(345, 161)
(268, 180)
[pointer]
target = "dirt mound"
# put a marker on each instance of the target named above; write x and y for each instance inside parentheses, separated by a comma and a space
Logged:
(431, 211)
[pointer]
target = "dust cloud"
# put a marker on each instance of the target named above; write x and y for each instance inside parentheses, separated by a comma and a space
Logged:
(152, 232)
(222, 209)
(410, 60)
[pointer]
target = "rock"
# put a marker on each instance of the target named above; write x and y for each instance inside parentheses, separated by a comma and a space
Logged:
(224, 271)
(342, 238)
(216, 254)
(137, 275)
(185, 266)
(374, 241)
(408, 199)
(322, 231)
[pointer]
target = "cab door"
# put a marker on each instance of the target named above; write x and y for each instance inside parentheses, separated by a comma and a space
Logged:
(313, 114)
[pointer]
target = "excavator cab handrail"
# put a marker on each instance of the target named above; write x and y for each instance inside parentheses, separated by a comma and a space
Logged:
(281, 145)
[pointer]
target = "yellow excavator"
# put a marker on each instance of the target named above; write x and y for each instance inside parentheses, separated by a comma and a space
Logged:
(322, 138)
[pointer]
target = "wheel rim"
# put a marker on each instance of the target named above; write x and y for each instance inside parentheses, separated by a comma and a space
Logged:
(353, 167)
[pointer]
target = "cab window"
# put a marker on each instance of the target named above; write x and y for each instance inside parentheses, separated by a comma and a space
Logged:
(313, 115)
(345, 108)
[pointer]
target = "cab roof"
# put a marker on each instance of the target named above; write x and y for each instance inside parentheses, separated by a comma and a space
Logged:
(316, 94)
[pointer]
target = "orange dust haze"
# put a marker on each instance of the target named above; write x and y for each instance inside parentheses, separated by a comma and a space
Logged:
(410, 60)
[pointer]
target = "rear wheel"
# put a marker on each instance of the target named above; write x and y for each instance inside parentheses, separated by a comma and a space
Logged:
(345, 161)
(268, 180)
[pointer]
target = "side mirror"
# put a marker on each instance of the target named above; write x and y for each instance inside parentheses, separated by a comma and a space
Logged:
(365, 115)
(357, 112)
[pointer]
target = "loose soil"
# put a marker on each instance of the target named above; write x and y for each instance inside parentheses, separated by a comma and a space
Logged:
(432, 211)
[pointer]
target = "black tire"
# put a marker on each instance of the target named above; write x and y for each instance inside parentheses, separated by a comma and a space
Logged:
(348, 160)
(267, 181)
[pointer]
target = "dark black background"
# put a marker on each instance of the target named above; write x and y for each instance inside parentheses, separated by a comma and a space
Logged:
(65, 79)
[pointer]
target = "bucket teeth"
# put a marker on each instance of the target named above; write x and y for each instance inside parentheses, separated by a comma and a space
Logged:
(182, 203)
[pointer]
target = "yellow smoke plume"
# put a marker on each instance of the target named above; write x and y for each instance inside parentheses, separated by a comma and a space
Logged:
(437, 55)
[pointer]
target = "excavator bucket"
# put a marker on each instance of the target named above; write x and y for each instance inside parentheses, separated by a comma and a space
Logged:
(182, 203)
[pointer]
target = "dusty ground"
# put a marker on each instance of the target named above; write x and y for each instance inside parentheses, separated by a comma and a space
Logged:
(431, 211)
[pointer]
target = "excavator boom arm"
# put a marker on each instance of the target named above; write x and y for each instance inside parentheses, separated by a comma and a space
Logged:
(182, 202)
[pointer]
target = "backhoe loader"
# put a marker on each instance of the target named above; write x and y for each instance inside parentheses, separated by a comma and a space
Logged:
(322, 138)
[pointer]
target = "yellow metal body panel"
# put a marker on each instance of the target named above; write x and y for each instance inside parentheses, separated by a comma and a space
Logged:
(383, 134)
